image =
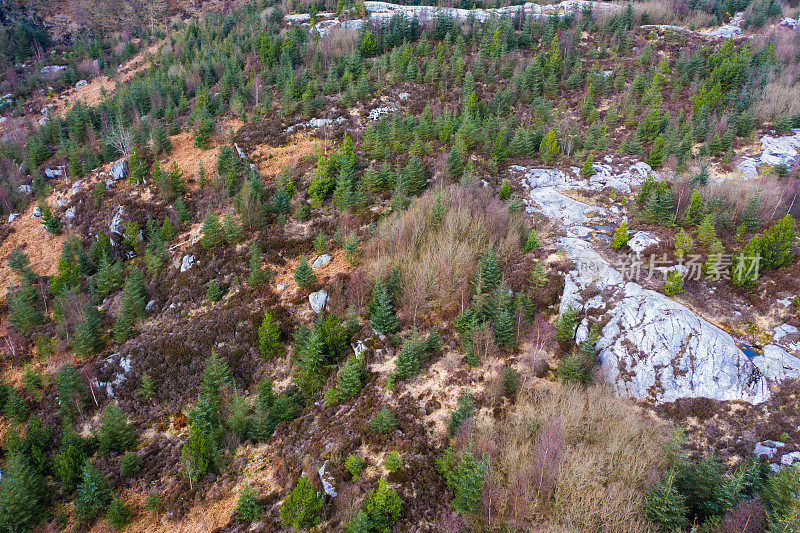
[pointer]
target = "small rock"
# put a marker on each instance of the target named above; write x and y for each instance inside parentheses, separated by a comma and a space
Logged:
(322, 260)
(37, 212)
(42, 121)
(27, 189)
(119, 170)
(61, 202)
(149, 305)
(327, 479)
(81, 83)
(280, 286)
(186, 264)
(641, 240)
(12, 217)
(403, 96)
(116, 222)
(53, 172)
(318, 300)
(109, 184)
(70, 214)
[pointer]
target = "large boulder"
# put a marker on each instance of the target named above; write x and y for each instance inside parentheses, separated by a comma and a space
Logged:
(317, 300)
(657, 349)
(119, 170)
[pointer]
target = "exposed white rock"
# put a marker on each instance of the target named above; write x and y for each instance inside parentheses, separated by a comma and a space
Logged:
(318, 300)
(76, 187)
(556, 206)
(37, 212)
(53, 172)
(26, 189)
(767, 447)
(641, 240)
(378, 112)
(70, 213)
(322, 260)
(774, 151)
(42, 121)
(81, 83)
(61, 202)
(119, 170)
(52, 68)
(12, 217)
(403, 96)
(116, 222)
(327, 480)
(109, 184)
(280, 287)
(149, 305)
(655, 348)
(359, 348)
(187, 262)
(777, 364)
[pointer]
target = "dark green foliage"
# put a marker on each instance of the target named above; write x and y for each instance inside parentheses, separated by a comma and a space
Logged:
(464, 475)
(413, 352)
(108, 276)
(503, 329)
(115, 434)
(750, 215)
(780, 495)
(71, 391)
(137, 166)
(382, 310)
(566, 324)
(147, 387)
(239, 416)
(489, 272)
(94, 494)
(214, 291)
(22, 495)
(708, 493)
(532, 243)
(120, 513)
(383, 421)
(201, 452)
(24, 312)
(454, 163)
(269, 337)
(134, 299)
(413, 177)
(87, 334)
(302, 506)
(777, 242)
(354, 465)
(269, 413)
(15, 407)
(393, 462)
(130, 463)
(161, 141)
(309, 355)
(664, 506)
(203, 133)
(216, 375)
(509, 382)
(382, 508)
(247, 506)
(351, 378)
(70, 461)
(505, 190)
(576, 367)
(464, 410)
(212, 232)
(258, 274)
(303, 274)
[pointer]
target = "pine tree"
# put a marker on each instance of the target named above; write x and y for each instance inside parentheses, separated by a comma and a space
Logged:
(87, 334)
(549, 149)
(302, 506)
(351, 378)
(120, 513)
(505, 190)
(203, 133)
(489, 272)
(115, 434)
(269, 337)
(70, 461)
(414, 179)
(750, 216)
(503, 328)
(674, 283)
(212, 232)
(231, 228)
(24, 312)
(683, 243)
(134, 298)
(147, 388)
(777, 242)
(621, 236)
(664, 505)
(216, 374)
(137, 166)
(706, 234)
(258, 275)
(214, 292)
(304, 275)
(22, 494)
(656, 158)
(94, 494)
(587, 170)
(382, 310)
(695, 212)
(161, 141)
(468, 482)
(247, 507)
(532, 243)
(454, 163)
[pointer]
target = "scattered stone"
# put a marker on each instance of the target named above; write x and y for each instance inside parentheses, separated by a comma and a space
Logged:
(119, 170)
(318, 300)
(52, 68)
(403, 96)
(26, 189)
(76, 187)
(187, 262)
(149, 305)
(81, 83)
(109, 184)
(53, 172)
(37, 212)
(378, 112)
(280, 287)
(641, 240)
(70, 213)
(12, 217)
(116, 222)
(42, 121)
(61, 202)
(322, 260)
(327, 480)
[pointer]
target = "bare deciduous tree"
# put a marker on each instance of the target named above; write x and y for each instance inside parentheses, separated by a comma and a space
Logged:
(120, 138)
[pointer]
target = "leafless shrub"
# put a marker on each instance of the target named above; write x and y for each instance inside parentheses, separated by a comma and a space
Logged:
(675, 12)
(568, 457)
(120, 138)
(780, 97)
(437, 258)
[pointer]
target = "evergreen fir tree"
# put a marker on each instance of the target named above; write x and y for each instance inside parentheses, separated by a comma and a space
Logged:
(120, 513)
(503, 328)
(382, 310)
(247, 507)
(269, 337)
(94, 494)
(706, 234)
(258, 275)
(231, 229)
(505, 190)
(351, 377)
(587, 170)
(302, 506)
(115, 434)
(214, 291)
(22, 494)
(414, 179)
(70, 461)
(137, 166)
(454, 163)
(212, 232)
(777, 243)
(147, 387)
(468, 482)
(489, 272)
(532, 243)
(304, 275)
(24, 312)
(549, 149)
(87, 334)
(216, 374)
(656, 158)
(310, 359)
(695, 212)
(621, 236)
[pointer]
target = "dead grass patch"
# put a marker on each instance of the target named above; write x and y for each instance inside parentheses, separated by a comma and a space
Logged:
(569, 457)
(272, 159)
